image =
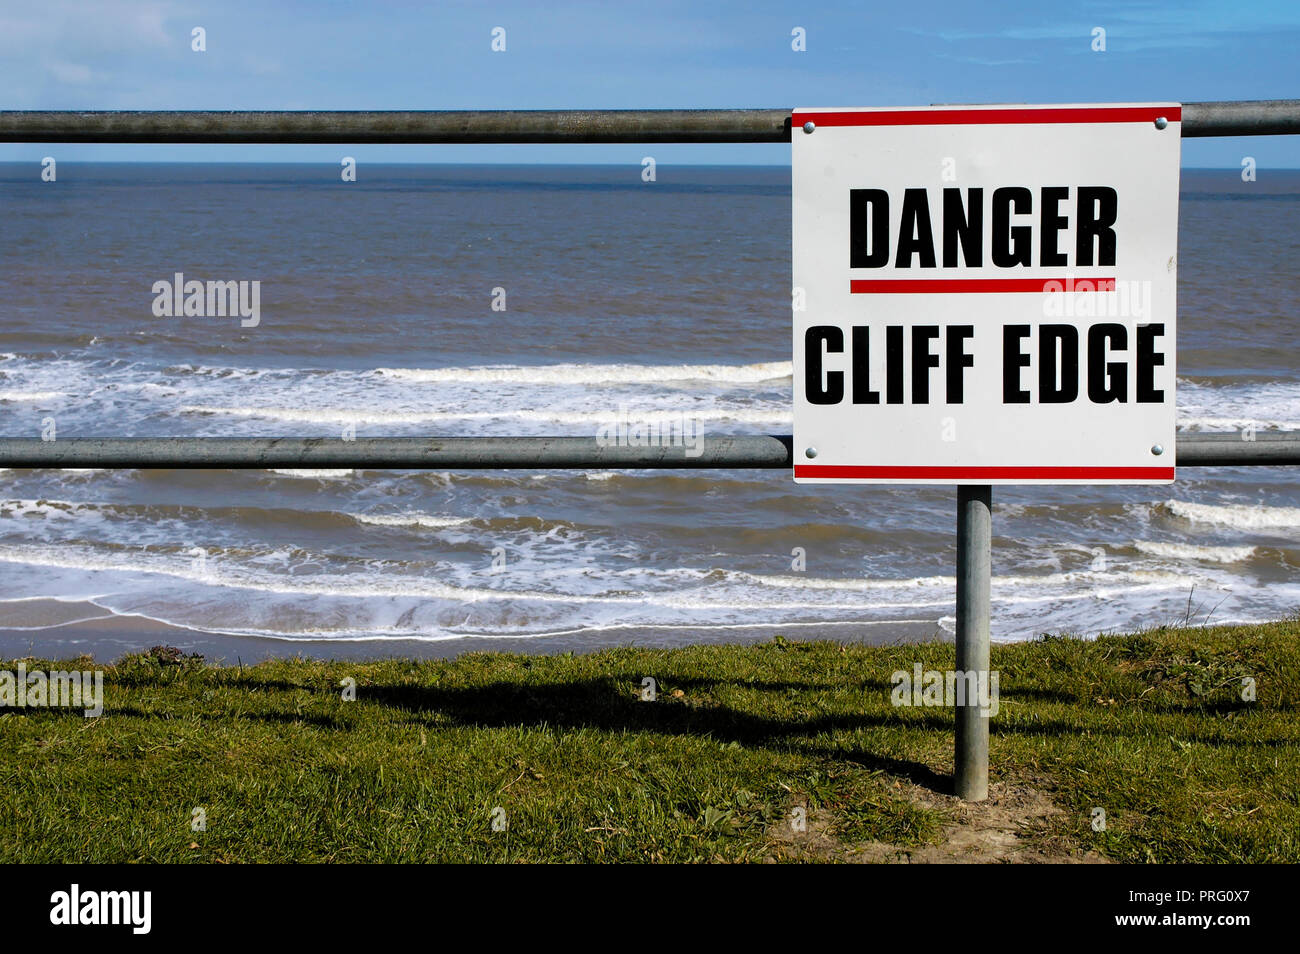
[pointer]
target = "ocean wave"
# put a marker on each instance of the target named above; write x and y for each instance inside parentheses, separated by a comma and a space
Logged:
(423, 520)
(1265, 405)
(1188, 551)
(1235, 424)
(567, 374)
(1238, 516)
(324, 473)
(1062, 579)
(31, 395)
(44, 508)
(595, 419)
(252, 593)
(214, 571)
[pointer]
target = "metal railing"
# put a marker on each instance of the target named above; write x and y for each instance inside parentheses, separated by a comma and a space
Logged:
(1241, 118)
(513, 453)
(1244, 118)
(974, 503)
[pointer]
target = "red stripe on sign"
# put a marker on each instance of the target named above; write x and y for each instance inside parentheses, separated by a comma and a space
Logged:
(849, 472)
(939, 286)
(950, 117)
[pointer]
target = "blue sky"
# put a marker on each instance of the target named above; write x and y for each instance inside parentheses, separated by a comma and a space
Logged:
(135, 54)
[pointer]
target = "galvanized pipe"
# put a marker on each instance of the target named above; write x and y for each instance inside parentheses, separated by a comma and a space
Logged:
(1257, 117)
(400, 126)
(404, 453)
(1243, 118)
(506, 453)
(974, 583)
(1235, 450)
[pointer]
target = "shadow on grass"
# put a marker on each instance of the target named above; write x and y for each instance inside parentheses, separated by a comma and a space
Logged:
(606, 705)
(611, 704)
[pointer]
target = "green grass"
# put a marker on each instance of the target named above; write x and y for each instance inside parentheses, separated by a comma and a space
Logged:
(1150, 727)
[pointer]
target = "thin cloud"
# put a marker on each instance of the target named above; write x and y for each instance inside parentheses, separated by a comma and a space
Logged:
(985, 61)
(1140, 27)
(73, 74)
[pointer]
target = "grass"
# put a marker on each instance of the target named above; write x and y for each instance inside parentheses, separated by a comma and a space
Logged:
(1151, 727)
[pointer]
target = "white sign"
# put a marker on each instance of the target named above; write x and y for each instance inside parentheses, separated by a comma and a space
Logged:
(985, 295)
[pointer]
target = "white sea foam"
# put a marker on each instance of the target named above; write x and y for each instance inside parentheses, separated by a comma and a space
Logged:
(409, 520)
(43, 508)
(31, 395)
(568, 374)
(1235, 424)
(472, 399)
(376, 598)
(325, 473)
(1188, 551)
(1240, 516)
(1066, 579)
(216, 572)
(738, 589)
(592, 419)
(1265, 405)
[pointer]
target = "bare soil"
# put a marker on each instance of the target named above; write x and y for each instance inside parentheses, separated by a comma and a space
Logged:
(1017, 824)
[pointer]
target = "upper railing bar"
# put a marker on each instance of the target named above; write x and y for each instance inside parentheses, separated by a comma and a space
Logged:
(402, 126)
(510, 453)
(1240, 118)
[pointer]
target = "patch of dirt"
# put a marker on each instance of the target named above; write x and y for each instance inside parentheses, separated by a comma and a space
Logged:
(1013, 826)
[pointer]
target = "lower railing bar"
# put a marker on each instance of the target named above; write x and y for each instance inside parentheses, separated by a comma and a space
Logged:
(504, 453)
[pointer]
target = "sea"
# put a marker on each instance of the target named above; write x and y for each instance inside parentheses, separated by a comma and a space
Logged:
(441, 300)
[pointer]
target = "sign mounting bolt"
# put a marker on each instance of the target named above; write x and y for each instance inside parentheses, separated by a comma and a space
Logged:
(1157, 449)
(1161, 122)
(810, 453)
(809, 126)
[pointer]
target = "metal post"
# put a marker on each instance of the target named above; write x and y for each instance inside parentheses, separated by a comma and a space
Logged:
(974, 569)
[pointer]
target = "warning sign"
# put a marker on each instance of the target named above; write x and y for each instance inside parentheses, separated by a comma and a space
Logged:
(985, 294)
